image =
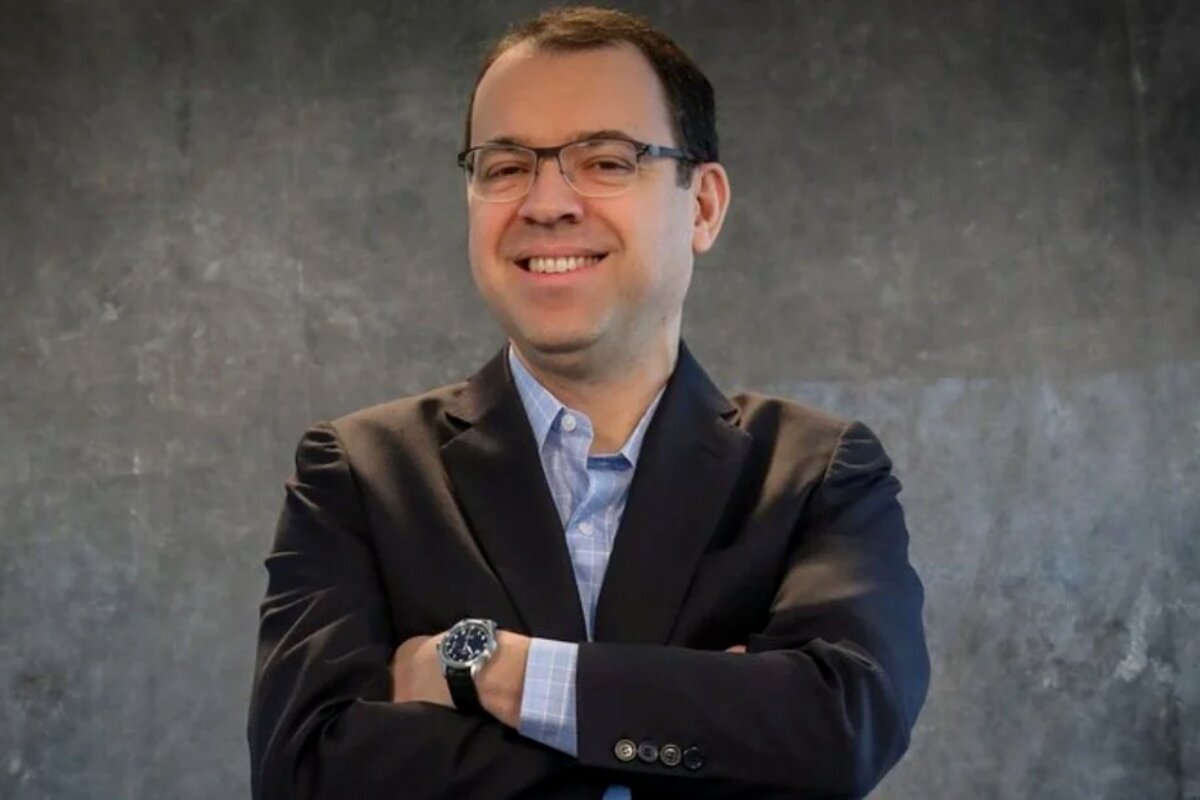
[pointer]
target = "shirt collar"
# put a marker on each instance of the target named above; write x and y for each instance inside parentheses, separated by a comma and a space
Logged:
(543, 408)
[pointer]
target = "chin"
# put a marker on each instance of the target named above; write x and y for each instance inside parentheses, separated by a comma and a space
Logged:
(557, 343)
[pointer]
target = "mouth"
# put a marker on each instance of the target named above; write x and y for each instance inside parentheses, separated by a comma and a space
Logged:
(540, 265)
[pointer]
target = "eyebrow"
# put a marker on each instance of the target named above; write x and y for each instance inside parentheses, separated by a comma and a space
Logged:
(578, 136)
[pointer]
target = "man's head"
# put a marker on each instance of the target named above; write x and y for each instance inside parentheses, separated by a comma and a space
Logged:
(688, 93)
(559, 78)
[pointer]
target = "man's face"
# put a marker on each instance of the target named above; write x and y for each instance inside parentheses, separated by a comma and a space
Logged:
(633, 296)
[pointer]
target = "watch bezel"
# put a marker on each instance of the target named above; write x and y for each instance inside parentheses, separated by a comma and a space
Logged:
(489, 646)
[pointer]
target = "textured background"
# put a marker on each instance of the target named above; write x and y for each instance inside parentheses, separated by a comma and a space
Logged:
(974, 225)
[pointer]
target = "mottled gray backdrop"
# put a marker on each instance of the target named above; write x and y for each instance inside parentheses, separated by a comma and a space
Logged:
(974, 225)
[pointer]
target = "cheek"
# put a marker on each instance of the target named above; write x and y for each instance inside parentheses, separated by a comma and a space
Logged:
(483, 238)
(671, 233)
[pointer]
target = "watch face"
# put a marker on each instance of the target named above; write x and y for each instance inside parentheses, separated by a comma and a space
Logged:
(465, 644)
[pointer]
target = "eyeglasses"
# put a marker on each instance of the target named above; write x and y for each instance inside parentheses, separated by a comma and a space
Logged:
(497, 173)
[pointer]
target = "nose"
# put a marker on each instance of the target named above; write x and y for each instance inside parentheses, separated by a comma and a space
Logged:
(550, 198)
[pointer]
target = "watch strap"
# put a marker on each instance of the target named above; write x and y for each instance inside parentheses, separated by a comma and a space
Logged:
(463, 691)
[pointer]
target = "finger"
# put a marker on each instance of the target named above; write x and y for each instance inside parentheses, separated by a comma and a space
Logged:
(737, 648)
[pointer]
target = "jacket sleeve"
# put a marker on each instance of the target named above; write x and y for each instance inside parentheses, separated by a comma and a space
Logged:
(322, 723)
(824, 701)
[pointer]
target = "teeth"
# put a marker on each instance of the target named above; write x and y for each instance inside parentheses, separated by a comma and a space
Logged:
(539, 264)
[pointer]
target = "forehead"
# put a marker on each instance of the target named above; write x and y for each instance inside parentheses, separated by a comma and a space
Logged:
(543, 97)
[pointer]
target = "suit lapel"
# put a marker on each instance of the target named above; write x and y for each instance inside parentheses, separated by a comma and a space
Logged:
(498, 478)
(689, 463)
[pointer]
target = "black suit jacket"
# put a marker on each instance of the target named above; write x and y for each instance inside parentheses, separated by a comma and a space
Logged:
(755, 521)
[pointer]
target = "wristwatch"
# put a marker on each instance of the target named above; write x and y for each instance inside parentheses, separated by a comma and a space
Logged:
(463, 651)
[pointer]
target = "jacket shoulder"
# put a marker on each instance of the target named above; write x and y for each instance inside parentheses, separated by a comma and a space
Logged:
(419, 417)
(759, 412)
(790, 432)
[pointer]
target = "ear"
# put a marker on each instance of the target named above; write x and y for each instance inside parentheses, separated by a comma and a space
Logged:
(711, 184)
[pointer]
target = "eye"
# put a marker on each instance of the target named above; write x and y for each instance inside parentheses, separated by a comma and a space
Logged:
(504, 170)
(609, 164)
(498, 163)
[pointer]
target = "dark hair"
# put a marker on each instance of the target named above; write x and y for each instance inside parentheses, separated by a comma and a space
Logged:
(689, 95)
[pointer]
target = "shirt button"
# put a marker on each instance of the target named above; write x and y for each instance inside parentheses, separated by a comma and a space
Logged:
(625, 750)
(693, 758)
(568, 423)
(585, 528)
(670, 754)
(648, 752)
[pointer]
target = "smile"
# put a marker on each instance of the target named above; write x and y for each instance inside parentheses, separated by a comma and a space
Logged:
(547, 265)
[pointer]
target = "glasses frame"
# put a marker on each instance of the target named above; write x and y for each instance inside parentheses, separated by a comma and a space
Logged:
(642, 149)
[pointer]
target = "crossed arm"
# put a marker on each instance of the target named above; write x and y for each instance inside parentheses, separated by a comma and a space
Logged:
(417, 675)
(821, 704)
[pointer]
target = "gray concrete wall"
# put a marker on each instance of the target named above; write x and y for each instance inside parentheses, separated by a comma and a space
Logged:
(974, 225)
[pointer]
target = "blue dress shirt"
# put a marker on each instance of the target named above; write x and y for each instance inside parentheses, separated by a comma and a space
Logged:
(589, 492)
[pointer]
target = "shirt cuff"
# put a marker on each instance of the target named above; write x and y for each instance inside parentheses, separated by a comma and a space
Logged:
(548, 699)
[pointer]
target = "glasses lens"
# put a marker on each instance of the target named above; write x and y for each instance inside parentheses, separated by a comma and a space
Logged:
(599, 167)
(595, 167)
(500, 172)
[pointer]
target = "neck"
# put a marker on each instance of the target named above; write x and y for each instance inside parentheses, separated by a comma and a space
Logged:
(614, 398)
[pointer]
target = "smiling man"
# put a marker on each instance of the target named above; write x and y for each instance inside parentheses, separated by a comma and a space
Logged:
(585, 571)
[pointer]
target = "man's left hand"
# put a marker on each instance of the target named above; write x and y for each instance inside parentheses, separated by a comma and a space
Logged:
(417, 675)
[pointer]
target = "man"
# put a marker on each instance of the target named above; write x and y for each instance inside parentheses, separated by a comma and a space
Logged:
(585, 572)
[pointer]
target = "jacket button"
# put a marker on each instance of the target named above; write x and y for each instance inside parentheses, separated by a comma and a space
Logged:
(670, 755)
(648, 752)
(693, 758)
(625, 750)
